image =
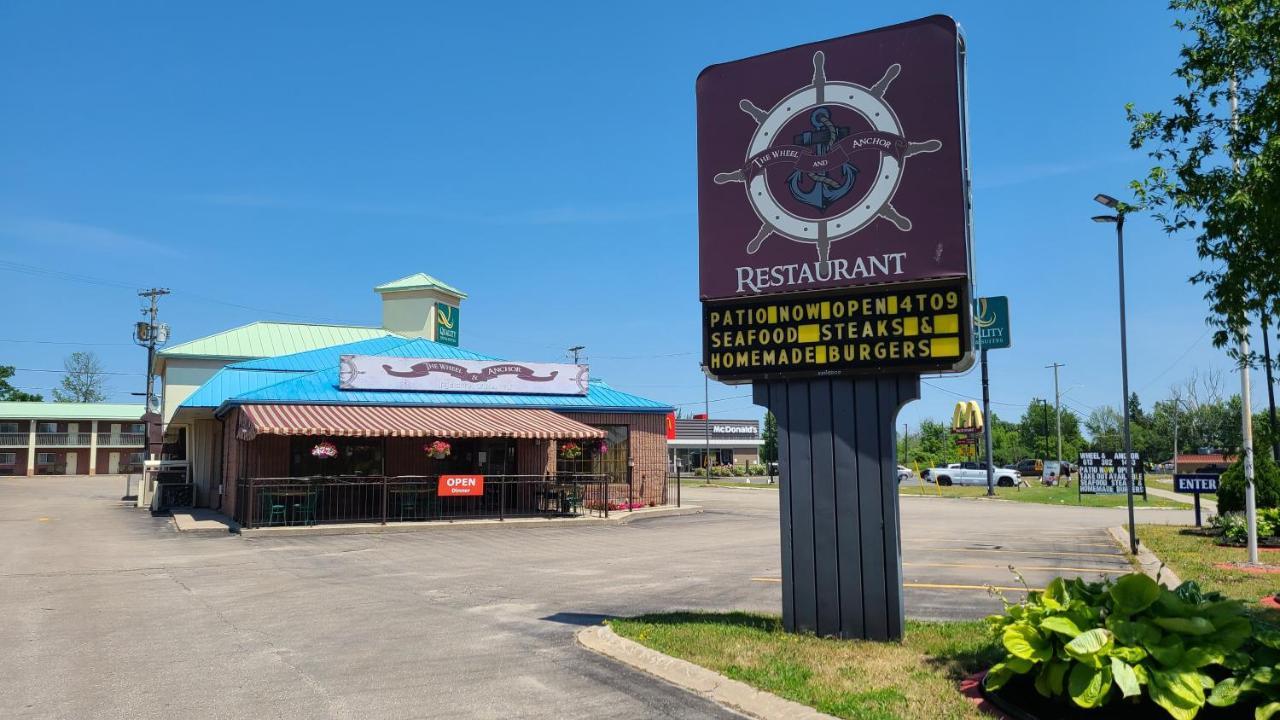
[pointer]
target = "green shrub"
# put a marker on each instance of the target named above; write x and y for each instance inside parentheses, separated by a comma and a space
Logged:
(739, 471)
(699, 472)
(721, 471)
(1266, 482)
(1235, 530)
(755, 469)
(1101, 643)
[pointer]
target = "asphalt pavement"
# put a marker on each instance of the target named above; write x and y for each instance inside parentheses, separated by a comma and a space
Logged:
(109, 613)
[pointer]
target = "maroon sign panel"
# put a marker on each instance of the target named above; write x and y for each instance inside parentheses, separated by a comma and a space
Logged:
(835, 164)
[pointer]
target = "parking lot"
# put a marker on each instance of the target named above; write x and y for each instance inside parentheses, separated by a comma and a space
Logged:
(109, 613)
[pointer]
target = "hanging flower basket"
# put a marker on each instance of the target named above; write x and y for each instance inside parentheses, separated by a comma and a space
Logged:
(325, 450)
(604, 447)
(570, 451)
(438, 449)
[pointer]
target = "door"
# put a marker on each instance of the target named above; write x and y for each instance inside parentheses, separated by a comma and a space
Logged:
(71, 462)
(113, 463)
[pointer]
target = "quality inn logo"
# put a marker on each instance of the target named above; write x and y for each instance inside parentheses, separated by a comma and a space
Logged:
(825, 161)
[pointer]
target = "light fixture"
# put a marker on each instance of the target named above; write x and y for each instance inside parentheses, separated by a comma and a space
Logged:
(1104, 218)
(1106, 200)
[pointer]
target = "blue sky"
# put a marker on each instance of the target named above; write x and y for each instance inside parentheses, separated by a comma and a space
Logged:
(276, 161)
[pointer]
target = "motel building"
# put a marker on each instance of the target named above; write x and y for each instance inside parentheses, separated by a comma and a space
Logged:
(291, 423)
(48, 438)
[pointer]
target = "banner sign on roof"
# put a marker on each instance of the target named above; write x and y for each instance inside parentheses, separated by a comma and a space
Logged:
(381, 372)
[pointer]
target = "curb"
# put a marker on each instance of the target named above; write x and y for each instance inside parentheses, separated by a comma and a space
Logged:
(1147, 560)
(621, 517)
(695, 678)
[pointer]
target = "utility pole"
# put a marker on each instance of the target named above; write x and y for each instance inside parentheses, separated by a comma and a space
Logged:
(576, 349)
(148, 338)
(1176, 401)
(1057, 408)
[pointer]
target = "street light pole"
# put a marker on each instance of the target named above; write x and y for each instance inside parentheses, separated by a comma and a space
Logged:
(1118, 219)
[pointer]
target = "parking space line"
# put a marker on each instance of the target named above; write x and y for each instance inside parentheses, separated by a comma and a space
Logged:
(1109, 571)
(948, 586)
(927, 586)
(1117, 554)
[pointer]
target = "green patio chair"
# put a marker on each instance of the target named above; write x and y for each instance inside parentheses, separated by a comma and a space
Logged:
(305, 511)
(407, 505)
(271, 512)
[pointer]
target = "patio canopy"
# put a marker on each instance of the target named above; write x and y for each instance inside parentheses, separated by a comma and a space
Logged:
(399, 421)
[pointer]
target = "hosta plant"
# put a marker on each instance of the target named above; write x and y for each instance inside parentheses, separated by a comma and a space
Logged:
(1098, 643)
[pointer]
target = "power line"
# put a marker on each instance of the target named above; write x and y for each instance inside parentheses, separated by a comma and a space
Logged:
(1174, 364)
(103, 372)
(701, 402)
(65, 342)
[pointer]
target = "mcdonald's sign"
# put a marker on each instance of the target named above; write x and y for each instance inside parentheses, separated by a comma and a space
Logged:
(967, 417)
(671, 426)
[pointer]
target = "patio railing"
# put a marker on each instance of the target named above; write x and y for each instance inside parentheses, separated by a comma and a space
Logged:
(263, 502)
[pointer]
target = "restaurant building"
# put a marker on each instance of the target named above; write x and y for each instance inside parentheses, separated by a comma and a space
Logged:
(47, 438)
(731, 442)
(305, 437)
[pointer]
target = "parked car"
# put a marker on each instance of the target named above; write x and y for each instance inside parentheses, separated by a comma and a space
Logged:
(975, 474)
(904, 473)
(1030, 467)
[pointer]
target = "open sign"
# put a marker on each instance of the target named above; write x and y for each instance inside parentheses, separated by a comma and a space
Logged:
(460, 485)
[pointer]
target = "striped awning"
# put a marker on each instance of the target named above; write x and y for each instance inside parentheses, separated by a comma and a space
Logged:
(374, 421)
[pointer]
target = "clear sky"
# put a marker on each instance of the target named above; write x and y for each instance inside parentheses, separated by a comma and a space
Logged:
(275, 161)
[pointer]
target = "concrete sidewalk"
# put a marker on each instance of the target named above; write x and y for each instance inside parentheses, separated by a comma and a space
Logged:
(1208, 507)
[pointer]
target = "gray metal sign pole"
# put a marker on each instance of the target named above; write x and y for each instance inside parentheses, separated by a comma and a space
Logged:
(986, 427)
(838, 502)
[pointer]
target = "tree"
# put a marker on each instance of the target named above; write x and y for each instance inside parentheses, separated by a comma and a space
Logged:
(769, 450)
(1217, 178)
(11, 393)
(85, 380)
(1106, 429)
(1038, 431)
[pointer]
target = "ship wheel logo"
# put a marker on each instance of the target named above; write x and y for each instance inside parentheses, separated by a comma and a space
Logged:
(824, 195)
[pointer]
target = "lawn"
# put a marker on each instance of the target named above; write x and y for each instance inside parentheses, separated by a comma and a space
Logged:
(1192, 555)
(1036, 494)
(916, 678)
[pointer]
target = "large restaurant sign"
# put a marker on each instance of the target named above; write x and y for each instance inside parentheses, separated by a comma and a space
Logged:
(832, 167)
(833, 230)
(380, 372)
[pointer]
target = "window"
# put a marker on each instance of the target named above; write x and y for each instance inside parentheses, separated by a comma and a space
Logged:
(136, 428)
(599, 457)
(47, 427)
(8, 458)
(356, 456)
(9, 428)
(46, 458)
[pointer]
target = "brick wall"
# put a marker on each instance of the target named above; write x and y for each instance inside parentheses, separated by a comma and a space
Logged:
(648, 449)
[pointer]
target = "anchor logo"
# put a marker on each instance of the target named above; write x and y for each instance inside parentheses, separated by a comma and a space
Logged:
(822, 173)
(825, 190)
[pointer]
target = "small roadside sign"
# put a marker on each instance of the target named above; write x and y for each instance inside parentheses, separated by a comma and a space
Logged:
(1195, 483)
(991, 323)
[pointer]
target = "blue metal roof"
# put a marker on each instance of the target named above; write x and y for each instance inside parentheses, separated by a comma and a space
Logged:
(231, 381)
(311, 377)
(321, 388)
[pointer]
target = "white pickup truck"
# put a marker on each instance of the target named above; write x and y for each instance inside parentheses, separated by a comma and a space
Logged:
(970, 473)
